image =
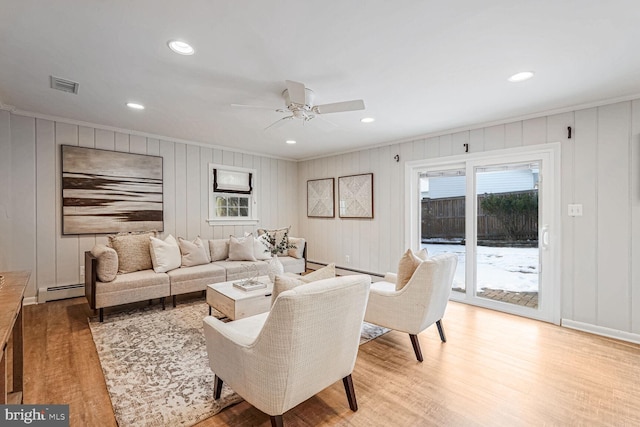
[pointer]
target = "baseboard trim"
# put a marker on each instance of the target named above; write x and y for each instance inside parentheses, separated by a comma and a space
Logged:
(344, 271)
(30, 301)
(602, 331)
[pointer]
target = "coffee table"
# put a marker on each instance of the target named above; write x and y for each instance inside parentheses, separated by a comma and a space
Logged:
(236, 303)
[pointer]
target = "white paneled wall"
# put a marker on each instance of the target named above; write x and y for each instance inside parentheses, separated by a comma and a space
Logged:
(30, 193)
(599, 169)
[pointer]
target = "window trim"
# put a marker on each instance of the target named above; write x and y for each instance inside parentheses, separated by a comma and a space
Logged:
(212, 219)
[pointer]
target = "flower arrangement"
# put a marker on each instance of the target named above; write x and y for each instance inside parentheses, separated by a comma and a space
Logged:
(269, 239)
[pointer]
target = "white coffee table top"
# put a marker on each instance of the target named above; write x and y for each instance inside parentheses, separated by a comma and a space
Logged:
(227, 289)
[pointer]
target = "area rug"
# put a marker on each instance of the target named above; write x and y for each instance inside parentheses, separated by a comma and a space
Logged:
(156, 367)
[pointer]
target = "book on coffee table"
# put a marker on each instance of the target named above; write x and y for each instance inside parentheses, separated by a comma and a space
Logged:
(250, 285)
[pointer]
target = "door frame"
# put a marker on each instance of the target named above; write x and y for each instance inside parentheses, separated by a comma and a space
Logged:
(550, 289)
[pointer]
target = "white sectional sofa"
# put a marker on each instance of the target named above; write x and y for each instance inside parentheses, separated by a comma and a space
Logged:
(106, 289)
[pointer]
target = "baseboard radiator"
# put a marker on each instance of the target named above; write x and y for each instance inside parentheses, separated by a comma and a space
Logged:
(54, 293)
(344, 271)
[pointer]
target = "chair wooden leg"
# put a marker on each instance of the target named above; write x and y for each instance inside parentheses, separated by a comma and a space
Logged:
(441, 331)
(217, 387)
(416, 346)
(351, 393)
(276, 421)
(209, 310)
(101, 315)
(175, 301)
(163, 303)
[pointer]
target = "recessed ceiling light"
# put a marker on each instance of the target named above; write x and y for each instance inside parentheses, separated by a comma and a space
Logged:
(135, 106)
(290, 141)
(368, 120)
(520, 77)
(181, 47)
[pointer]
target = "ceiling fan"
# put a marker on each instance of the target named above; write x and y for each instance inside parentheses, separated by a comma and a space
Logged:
(299, 103)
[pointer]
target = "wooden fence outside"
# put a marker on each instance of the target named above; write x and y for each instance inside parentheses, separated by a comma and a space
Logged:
(445, 219)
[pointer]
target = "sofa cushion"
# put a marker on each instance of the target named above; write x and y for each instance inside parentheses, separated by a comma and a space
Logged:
(242, 270)
(133, 250)
(327, 272)
(219, 249)
(193, 253)
(241, 248)
(131, 287)
(165, 254)
(107, 258)
(406, 267)
(293, 265)
(298, 247)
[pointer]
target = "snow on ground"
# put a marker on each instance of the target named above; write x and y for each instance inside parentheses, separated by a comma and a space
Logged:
(509, 269)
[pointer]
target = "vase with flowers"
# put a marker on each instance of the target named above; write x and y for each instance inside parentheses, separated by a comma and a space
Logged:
(275, 246)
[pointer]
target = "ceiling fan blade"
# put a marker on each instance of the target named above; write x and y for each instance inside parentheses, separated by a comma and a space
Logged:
(338, 107)
(296, 92)
(262, 107)
(279, 123)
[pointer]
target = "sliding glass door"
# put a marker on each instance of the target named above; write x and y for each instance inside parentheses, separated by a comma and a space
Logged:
(499, 213)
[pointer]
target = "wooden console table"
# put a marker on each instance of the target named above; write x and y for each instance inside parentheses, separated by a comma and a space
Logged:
(11, 331)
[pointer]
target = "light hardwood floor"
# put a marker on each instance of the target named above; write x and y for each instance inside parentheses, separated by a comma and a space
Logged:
(495, 370)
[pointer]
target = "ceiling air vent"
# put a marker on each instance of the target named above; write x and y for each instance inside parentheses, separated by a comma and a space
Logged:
(64, 85)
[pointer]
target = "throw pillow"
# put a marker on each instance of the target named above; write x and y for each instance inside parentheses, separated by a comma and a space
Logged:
(219, 249)
(298, 251)
(328, 272)
(280, 237)
(261, 248)
(107, 268)
(241, 248)
(193, 253)
(133, 251)
(406, 267)
(165, 254)
(422, 254)
(283, 283)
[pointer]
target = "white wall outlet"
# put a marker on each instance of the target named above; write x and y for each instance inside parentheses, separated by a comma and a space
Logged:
(82, 271)
(575, 210)
(347, 259)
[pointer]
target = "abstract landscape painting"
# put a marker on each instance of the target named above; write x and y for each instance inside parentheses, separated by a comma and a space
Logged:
(108, 192)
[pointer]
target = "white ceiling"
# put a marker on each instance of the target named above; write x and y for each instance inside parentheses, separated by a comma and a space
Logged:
(420, 66)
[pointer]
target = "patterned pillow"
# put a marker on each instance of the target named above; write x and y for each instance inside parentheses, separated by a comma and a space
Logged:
(107, 268)
(406, 267)
(280, 234)
(133, 251)
(193, 253)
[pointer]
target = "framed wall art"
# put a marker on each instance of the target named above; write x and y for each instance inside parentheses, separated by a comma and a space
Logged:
(108, 192)
(355, 196)
(321, 198)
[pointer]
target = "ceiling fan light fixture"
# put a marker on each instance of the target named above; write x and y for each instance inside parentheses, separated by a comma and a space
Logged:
(135, 106)
(368, 120)
(521, 76)
(180, 47)
(290, 141)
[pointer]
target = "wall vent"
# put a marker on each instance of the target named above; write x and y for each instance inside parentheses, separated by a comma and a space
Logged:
(64, 85)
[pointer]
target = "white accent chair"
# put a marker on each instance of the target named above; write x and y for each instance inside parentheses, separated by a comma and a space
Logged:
(420, 303)
(308, 341)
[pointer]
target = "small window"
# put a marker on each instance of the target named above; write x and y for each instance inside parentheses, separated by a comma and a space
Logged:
(231, 195)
